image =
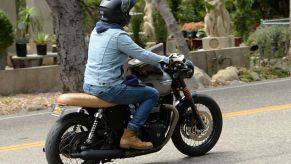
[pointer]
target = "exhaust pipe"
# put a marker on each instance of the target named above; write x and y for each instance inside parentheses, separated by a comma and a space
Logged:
(100, 154)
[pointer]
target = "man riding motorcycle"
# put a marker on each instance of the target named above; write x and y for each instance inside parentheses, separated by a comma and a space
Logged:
(109, 49)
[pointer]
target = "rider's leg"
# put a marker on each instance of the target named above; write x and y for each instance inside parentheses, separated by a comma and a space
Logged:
(147, 97)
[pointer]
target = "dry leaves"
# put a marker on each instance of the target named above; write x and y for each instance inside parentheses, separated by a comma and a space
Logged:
(26, 102)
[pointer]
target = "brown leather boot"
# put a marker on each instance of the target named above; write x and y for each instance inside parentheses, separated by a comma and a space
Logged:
(129, 140)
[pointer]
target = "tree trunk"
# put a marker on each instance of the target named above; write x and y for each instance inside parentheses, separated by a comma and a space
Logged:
(289, 52)
(69, 29)
(165, 11)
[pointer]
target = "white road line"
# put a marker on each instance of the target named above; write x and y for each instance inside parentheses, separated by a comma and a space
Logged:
(29, 115)
(201, 91)
(244, 85)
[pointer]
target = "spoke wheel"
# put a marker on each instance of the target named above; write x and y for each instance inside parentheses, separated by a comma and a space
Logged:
(71, 142)
(187, 138)
(66, 137)
(191, 134)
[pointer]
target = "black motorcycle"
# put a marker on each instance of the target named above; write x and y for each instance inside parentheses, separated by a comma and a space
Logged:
(92, 134)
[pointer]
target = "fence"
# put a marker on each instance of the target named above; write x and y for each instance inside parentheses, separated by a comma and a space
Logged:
(276, 22)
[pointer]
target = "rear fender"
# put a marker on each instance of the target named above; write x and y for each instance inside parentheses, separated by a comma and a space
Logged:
(72, 116)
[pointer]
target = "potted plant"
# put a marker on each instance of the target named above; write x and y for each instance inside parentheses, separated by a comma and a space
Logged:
(6, 38)
(190, 29)
(21, 40)
(27, 22)
(41, 40)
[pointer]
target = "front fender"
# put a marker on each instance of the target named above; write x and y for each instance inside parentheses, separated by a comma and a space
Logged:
(182, 104)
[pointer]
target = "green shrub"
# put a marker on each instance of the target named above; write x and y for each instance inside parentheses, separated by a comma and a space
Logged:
(174, 5)
(246, 76)
(6, 32)
(264, 73)
(161, 30)
(271, 73)
(191, 11)
(136, 25)
(273, 42)
(243, 18)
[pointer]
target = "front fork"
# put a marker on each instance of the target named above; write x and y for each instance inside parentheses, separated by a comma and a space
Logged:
(180, 83)
(190, 101)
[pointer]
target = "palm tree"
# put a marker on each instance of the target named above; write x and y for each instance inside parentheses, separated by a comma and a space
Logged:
(166, 13)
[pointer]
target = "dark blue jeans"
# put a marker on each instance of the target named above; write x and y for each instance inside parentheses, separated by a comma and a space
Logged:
(146, 97)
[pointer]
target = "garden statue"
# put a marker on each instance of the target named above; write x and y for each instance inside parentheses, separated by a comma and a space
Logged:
(148, 20)
(217, 19)
(217, 26)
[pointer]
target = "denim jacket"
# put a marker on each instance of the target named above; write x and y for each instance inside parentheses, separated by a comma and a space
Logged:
(108, 52)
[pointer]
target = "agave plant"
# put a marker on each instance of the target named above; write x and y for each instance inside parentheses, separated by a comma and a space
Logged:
(41, 38)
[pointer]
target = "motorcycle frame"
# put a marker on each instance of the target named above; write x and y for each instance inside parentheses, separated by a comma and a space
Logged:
(119, 153)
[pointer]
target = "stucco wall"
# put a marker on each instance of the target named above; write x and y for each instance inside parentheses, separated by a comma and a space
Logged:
(36, 79)
(9, 7)
(212, 61)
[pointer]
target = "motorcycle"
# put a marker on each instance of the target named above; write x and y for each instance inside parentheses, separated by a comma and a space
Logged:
(92, 133)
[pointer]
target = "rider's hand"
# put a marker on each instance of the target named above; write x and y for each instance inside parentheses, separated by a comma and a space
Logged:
(175, 58)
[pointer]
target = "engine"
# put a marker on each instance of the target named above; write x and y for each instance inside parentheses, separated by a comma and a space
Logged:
(154, 131)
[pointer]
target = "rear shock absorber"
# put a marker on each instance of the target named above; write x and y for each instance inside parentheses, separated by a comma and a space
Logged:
(97, 116)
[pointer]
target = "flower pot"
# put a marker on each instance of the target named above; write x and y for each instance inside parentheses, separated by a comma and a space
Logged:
(237, 41)
(41, 49)
(191, 34)
(21, 49)
(184, 34)
(54, 48)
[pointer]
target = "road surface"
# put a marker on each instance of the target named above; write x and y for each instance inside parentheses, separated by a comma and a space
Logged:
(257, 129)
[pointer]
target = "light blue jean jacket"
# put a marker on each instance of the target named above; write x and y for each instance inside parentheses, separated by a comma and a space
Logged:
(108, 52)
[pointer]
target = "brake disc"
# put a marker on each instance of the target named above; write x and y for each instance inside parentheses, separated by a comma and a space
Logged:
(192, 132)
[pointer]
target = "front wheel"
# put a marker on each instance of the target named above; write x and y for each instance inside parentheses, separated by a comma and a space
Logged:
(187, 138)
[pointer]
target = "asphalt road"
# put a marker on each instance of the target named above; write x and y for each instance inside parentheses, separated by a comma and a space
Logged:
(257, 129)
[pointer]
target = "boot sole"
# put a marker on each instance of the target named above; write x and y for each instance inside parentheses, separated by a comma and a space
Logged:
(125, 146)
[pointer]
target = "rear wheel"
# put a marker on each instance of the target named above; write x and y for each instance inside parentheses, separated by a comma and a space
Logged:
(187, 138)
(66, 137)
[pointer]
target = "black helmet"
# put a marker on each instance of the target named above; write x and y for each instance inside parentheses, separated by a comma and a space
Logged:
(116, 11)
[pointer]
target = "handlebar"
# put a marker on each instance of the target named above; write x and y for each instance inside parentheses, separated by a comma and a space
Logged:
(179, 70)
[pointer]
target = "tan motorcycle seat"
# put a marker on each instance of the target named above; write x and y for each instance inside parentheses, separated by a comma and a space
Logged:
(82, 100)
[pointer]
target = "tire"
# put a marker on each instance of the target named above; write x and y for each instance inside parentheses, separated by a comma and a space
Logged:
(213, 136)
(55, 134)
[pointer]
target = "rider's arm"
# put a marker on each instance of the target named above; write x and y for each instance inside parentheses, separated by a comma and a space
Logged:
(129, 47)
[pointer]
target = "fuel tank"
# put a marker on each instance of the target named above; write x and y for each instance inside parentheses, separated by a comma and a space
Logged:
(151, 75)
